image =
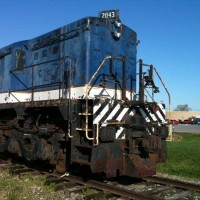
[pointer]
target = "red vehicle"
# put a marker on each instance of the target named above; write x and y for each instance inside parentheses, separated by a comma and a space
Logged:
(187, 121)
(173, 121)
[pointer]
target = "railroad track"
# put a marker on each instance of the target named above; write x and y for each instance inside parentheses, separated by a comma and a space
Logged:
(174, 183)
(150, 188)
(173, 189)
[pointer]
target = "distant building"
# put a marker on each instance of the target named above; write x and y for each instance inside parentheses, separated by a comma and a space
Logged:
(182, 115)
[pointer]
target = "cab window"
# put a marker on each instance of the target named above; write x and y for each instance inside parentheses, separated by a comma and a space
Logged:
(1, 71)
(20, 60)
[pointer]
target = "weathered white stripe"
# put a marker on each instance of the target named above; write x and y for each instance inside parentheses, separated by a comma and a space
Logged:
(120, 130)
(121, 115)
(146, 118)
(96, 107)
(159, 114)
(108, 93)
(144, 115)
(15, 97)
(152, 115)
(112, 114)
(162, 108)
(76, 93)
(101, 114)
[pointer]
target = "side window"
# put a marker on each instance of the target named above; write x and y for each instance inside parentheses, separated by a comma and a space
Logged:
(44, 53)
(56, 49)
(36, 56)
(20, 59)
(1, 71)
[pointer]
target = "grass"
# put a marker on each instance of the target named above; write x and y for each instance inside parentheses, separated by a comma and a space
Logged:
(25, 187)
(28, 187)
(183, 157)
(89, 191)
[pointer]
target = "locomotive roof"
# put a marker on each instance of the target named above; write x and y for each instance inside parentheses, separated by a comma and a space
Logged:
(86, 20)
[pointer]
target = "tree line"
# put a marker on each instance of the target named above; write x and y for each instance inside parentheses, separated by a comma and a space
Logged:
(184, 107)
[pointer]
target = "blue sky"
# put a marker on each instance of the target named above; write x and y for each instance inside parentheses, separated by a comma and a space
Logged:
(168, 30)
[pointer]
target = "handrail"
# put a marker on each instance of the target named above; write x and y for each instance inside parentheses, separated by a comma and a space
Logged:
(87, 92)
(33, 66)
(141, 83)
(169, 97)
(101, 64)
(169, 102)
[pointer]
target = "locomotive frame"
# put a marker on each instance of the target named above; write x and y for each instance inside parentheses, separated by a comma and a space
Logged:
(63, 110)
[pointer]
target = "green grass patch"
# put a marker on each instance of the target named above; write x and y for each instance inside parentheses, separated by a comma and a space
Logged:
(183, 157)
(13, 187)
(89, 191)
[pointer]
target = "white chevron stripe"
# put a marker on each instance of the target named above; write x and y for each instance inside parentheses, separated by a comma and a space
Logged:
(101, 114)
(152, 115)
(121, 115)
(96, 107)
(119, 118)
(120, 130)
(112, 114)
(159, 114)
(147, 118)
(144, 115)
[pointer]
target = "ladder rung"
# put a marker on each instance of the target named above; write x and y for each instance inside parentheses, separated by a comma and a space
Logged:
(82, 129)
(84, 114)
(114, 123)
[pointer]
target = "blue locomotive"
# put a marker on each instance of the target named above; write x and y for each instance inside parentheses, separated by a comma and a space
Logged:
(69, 98)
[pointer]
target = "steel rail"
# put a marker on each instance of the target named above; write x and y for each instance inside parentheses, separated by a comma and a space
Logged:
(124, 193)
(174, 183)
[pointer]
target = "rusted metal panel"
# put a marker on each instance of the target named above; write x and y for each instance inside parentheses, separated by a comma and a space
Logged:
(135, 166)
(108, 158)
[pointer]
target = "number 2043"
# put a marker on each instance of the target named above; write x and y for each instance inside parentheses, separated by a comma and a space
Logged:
(108, 14)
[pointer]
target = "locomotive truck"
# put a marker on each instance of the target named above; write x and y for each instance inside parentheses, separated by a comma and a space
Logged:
(73, 98)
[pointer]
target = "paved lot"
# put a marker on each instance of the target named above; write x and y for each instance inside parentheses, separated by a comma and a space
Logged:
(186, 128)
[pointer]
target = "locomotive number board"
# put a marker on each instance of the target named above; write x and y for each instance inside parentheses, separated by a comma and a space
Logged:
(109, 14)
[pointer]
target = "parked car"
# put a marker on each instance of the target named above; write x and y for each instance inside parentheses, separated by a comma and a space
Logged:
(173, 121)
(187, 121)
(196, 121)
